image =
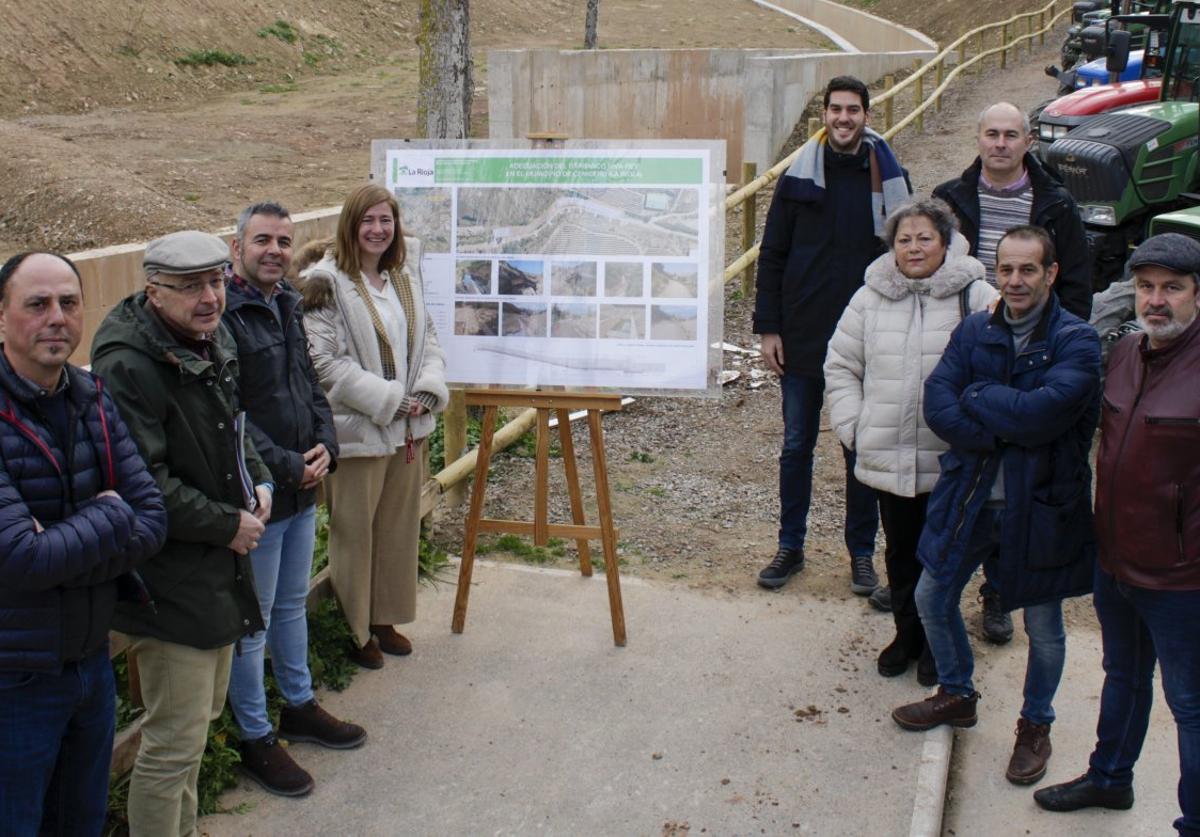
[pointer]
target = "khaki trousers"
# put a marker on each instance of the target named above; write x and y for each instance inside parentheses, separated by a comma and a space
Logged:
(183, 689)
(374, 535)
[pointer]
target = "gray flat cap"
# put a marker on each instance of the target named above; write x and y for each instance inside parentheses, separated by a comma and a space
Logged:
(1174, 251)
(189, 251)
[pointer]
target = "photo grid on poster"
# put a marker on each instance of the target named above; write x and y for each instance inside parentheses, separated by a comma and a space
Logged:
(579, 269)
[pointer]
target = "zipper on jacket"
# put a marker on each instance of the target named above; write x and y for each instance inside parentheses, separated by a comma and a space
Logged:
(1179, 507)
(962, 507)
(1112, 510)
(1173, 420)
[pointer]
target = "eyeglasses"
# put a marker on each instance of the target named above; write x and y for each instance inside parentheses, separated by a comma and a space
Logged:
(216, 283)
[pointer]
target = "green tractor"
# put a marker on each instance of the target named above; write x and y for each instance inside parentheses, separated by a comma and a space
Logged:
(1127, 166)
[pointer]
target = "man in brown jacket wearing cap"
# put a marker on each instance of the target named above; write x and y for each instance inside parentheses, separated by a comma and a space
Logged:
(171, 366)
(1147, 588)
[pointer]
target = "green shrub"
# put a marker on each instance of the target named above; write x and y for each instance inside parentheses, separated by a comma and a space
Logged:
(212, 57)
(280, 29)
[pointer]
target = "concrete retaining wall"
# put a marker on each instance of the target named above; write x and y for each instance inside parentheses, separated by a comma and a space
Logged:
(751, 98)
(112, 273)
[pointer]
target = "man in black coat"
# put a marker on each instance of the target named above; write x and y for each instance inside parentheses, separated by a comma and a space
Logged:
(292, 428)
(819, 239)
(1007, 187)
(78, 512)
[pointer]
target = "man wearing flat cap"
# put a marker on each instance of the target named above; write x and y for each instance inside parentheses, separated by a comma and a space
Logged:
(1147, 587)
(171, 366)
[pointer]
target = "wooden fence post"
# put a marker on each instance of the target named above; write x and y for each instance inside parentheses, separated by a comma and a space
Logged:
(919, 99)
(814, 125)
(454, 440)
(1004, 47)
(1029, 32)
(962, 53)
(1042, 28)
(749, 211)
(941, 75)
(889, 82)
(979, 51)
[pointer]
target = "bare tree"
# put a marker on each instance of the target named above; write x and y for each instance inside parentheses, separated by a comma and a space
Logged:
(589, 26)
(444, 101)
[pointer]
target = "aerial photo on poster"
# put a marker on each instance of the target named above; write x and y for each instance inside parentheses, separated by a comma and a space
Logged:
(565, 267)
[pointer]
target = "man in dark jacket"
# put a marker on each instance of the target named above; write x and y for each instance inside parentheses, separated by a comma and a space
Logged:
(822, 230)
(78, 511)
(1006, 187)
(292, 427)
(172, 369)
(1147, 588)
(1016, 395)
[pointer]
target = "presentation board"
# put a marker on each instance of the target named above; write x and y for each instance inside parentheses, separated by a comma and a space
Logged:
(586, 264)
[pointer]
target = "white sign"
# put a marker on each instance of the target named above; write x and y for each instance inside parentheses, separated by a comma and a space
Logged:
(577, 267)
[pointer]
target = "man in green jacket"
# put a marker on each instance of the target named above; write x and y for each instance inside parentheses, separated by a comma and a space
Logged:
(172, 369)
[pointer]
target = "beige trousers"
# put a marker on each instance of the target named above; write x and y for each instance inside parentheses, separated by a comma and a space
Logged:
(183, 689)
(374, 534)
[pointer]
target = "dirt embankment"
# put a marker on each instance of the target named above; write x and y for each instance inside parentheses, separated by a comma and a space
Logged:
(107, 138)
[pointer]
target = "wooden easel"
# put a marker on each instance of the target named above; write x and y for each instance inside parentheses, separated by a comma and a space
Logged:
(561, 403)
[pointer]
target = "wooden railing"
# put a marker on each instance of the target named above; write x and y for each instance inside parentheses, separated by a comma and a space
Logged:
(745, 197)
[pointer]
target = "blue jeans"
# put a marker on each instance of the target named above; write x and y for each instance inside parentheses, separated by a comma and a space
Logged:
(1140, 627)
(802, 397)
(938, 603)
(56, 737)
(282, 565)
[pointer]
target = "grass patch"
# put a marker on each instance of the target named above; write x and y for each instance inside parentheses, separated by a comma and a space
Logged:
(212, 58)
(518, 547)
(280, 29)
(641, 456)
(289, 87)
(656, 491)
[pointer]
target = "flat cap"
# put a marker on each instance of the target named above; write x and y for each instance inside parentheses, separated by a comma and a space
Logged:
(189, 251)
(1174, 251)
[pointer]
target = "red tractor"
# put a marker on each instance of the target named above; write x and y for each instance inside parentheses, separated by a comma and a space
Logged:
(1052, 120)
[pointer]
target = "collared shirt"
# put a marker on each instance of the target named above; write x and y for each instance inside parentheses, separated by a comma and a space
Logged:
(395, 324)
(253, 291)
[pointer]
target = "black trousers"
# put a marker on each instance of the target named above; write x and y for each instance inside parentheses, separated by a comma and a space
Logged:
(903, 518)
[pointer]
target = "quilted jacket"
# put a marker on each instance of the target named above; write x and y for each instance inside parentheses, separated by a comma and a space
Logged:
(887, 341)
(58, 587)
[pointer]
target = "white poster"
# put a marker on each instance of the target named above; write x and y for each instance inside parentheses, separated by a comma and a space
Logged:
(575, 267)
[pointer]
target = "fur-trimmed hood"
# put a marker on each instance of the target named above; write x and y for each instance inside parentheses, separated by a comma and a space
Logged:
(957, 272)
(315, 283)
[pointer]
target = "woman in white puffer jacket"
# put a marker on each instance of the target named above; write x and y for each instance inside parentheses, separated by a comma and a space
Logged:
(887, 342)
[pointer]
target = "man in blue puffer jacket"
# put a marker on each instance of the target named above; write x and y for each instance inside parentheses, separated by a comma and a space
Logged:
(1016, 394)
(78, 512)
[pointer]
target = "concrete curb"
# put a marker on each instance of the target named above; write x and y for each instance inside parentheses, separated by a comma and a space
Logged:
(932, 779)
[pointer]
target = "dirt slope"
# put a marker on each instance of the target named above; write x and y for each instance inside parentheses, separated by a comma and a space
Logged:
(105, 139)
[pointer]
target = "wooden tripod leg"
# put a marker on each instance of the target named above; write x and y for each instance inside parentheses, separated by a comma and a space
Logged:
(541, 481)
(607, 535)
(577, 517)
(471, 532)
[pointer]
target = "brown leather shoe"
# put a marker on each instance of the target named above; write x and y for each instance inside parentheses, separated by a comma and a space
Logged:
(265, 761)
(369, 656)
(937, 709)
(309, 722)
(1032, 751)
(391, 642)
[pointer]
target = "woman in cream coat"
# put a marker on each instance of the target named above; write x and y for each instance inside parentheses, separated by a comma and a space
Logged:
(887, 342)
(378, 360)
